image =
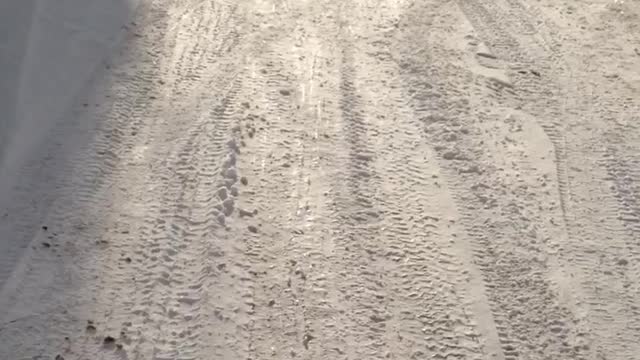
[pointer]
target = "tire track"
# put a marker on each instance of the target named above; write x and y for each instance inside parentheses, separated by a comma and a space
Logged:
(163, 313)
(185, 257)
(405, 303)
(604, 294)
(530, 320)
(334, 180)
(75, 229)
(183, 240)
(272, 156)
(112, 120)
(623, 170)
(292, 113)
(428, 305)
(201, 38)
(362, 290)
(523, 58)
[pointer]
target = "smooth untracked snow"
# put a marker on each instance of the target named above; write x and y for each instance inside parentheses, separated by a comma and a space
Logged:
(320, 180)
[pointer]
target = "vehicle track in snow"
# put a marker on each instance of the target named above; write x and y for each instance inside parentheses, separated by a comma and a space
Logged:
(340, 180)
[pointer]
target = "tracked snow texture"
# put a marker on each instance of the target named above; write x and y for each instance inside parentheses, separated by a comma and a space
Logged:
(324, 179)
